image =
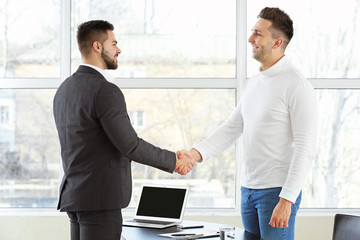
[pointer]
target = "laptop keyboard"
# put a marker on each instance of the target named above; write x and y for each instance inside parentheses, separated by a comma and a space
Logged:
(149, 221)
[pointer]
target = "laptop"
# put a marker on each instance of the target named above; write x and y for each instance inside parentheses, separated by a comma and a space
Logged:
(159, 206)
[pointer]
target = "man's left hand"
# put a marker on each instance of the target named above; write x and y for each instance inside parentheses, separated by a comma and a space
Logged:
(281, 214)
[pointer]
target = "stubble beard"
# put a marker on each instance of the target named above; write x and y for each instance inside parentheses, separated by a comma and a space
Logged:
(109, 62)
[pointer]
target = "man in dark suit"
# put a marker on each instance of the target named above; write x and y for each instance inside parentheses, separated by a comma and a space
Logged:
(98, 142)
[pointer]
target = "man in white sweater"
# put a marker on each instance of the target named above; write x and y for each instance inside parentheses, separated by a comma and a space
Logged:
(277, 119)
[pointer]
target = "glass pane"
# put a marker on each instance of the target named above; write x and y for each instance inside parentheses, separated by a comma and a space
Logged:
(29, 149)
(30, 167)
(335, 173)
(326, 36)
(161, 39)
(29, 39)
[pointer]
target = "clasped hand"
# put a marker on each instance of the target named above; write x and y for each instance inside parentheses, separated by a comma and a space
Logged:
(184, 162)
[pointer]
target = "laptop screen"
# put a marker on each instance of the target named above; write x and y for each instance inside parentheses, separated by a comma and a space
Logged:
(163, 202)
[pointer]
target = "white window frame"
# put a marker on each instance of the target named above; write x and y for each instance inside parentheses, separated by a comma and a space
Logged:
(164, 83)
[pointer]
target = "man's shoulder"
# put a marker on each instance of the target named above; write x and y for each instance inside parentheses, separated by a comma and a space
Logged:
(295, 82)
(292, 75)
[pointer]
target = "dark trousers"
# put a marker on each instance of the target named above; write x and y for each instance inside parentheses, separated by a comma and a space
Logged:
(96, 225)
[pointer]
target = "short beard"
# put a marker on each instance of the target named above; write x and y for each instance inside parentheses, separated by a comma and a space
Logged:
(110, 63)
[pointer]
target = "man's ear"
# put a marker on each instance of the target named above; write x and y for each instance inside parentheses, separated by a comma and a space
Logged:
(97, 46)
(278, 42)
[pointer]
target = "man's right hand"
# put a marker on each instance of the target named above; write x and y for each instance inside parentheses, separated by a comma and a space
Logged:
(190, 157)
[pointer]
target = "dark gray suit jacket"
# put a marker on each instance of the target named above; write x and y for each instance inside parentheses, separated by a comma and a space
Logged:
(98, 143)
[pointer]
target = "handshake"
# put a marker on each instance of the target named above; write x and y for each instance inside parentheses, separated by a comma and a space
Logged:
(185, 160)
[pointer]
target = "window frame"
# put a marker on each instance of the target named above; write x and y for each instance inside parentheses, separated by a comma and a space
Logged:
(186, 83)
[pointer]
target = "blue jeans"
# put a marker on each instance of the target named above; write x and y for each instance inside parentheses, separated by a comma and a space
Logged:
(257, 206)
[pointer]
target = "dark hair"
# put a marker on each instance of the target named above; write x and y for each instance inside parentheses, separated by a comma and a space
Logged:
(91, 31)
(281, 23)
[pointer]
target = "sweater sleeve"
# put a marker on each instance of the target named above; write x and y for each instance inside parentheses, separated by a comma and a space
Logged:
(223, 137)
(303, 115)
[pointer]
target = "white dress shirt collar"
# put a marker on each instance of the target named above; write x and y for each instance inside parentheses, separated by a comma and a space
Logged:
(106, 75)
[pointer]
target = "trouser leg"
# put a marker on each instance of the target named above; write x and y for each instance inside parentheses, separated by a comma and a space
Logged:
(96, 225)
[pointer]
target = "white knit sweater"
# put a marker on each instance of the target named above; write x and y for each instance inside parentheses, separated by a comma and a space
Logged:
(277, 118)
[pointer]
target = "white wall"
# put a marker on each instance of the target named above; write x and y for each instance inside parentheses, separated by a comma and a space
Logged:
(57, 227)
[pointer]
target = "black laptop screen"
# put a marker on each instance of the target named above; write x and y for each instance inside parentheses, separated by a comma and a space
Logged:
(161, 202)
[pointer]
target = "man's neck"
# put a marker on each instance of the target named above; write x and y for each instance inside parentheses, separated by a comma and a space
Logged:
(268, 64)
(94, 62)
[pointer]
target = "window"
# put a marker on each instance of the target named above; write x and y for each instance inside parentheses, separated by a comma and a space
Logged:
(29, 154)
(178, 75)
(158, 42)
(30, 157)
(166, 39)
(335, 172)
(181, 67)
(30, 39)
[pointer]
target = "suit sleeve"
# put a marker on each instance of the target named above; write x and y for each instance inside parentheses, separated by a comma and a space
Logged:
(110, 108)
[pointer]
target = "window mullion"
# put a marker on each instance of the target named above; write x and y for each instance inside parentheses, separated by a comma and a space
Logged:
(65, 39)
(241, 73)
